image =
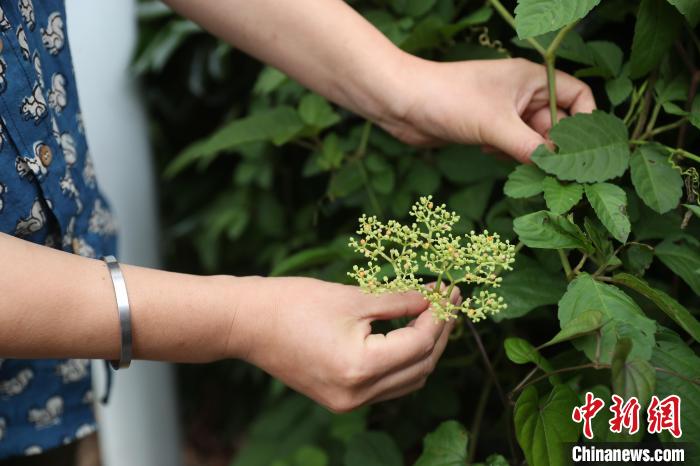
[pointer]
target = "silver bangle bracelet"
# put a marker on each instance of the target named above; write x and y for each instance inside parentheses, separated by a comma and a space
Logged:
(124, 313)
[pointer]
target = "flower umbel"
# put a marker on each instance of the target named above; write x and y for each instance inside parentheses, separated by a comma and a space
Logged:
(398, 254)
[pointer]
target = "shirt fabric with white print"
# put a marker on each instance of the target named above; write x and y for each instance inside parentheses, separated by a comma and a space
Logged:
(49, 196)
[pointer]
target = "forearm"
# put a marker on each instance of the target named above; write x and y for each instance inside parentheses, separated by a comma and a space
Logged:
(323, 44)
(55, 305)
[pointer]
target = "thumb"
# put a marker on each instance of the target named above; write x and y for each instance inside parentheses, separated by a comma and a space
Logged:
(513, 137)
(395, 305)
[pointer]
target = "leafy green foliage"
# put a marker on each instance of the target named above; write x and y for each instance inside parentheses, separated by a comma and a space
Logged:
(548, 231)
(543, 425)
(675, 357)
(610, 204)
(672, 308)
(590, 148)
(622, 317)
(524, 181)
(631, 376)
(270, 177)
(447, 446)
(560, 198)
(657, 183)
(372, 449)
(536, 17)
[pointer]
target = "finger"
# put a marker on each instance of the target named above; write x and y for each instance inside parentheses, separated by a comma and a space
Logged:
(541, 120)
(404, 346)
(407, 345)
(513, 136)
(573, 94)
(394, 305)
(410, 378)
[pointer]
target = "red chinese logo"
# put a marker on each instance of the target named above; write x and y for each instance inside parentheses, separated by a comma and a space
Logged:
(587, 412)
(662, 415)
(625, 415)
(665, 415)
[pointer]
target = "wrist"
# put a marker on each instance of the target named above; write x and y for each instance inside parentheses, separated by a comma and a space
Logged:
(245, 304)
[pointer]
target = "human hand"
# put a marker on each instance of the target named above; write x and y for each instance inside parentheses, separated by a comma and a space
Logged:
(316, 337)
(503, 104)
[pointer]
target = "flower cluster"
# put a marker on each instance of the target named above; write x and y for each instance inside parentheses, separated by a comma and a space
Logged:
(399, 254)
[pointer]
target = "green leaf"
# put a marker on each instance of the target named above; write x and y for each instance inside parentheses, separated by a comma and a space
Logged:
(694, 116)
(535, 17)
(269, 80)
(683, 260)
(546, 230)
(544, 426)
(658, 25)
(621, 315)
(346, 425)
(521, 351)
(672, 354)
(316, 112)
(161, 48)
(693, 208)
(446, 446)
(631, 376)
(528, 287)
(422, 179)
(471, 201)
(560, 198)
(607, 56)
(618, 89)
(584, 323)
(277, 125)
(346, 180)
(637, 258)
(524, 181)
(688, 8)
(331, 155)
(610, 205)
(413, 8)
(306, 259)
(468, 164)
(281, 430)
(657, 183)
(666, 303)
(372, 449)
(591, 147)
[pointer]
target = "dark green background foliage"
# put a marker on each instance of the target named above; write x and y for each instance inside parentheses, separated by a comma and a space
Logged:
(260, 176)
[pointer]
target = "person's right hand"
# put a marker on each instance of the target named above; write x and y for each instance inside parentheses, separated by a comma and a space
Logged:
(316, 337)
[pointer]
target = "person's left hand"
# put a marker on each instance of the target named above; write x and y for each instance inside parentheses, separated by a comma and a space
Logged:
(503, 104)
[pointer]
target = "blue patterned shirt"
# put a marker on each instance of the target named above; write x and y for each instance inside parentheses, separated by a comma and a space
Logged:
(49, 196)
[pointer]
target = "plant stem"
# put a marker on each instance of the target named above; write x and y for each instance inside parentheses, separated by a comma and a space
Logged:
(580, 265)
(505, 14)
(359, 155)
(552, 85)
(565, 264)
(550, 58)
(644, 109)
(497, 384)
(662, 129)
(478, 416)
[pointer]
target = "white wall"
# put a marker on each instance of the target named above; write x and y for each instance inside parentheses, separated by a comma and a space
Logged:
(139, 425)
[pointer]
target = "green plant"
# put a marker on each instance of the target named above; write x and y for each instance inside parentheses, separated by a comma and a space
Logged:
(606, 281)
(428, 245)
